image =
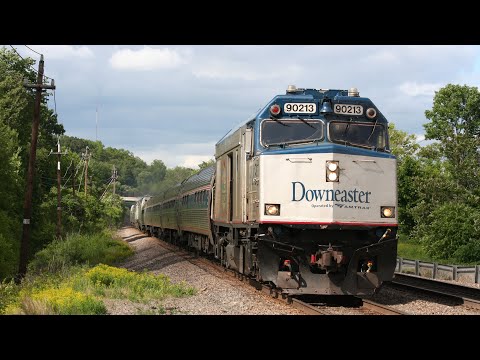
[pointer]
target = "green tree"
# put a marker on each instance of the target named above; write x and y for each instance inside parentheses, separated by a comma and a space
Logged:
(129, 167)
(446, 209)
(455, 122)
(16, 112)
(158, 170)
(404, 146)
(173, 177)
(449, 230)
(9, 200)
(206, 164)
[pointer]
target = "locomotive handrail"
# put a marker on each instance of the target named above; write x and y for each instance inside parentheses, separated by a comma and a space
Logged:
(372, 161)
(293, 160)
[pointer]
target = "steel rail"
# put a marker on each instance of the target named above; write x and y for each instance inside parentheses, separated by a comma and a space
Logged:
(380, 308)
(465, 295)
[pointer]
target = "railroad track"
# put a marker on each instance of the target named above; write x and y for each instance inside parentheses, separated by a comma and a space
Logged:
(310, 305)
(460, 294)
(316, 304)
(381, 309)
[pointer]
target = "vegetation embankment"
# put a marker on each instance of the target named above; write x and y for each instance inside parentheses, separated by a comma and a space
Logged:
(73, 276)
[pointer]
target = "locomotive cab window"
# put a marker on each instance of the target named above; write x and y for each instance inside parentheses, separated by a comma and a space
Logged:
(366, 135)
(286, 131)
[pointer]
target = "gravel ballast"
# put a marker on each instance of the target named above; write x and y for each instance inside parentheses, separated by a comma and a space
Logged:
(219, 293)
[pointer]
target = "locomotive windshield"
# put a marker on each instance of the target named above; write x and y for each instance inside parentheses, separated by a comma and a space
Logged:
(366, 135)
(281, 132)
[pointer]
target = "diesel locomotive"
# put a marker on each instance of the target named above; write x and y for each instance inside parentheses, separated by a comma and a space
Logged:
(303, 196)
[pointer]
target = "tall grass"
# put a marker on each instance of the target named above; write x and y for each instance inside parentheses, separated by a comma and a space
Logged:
(47, 288)
(410, 250)
(78, 249)
(80, 290)
(61, 301)
(415, 251)
(118, 283)
(62, 281)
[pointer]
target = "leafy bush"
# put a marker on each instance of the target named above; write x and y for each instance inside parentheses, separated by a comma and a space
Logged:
(8, 294)
(451, 230)
(80, 249)
(468, 253)
(83, 214)
(8, 257)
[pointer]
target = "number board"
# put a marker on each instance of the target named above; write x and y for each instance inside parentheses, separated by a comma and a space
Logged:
(348, 109)
(303, 108)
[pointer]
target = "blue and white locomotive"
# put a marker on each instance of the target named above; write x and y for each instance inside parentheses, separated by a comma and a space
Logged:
(303, 196)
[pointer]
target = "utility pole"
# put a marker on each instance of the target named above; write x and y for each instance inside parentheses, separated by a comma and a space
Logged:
(59, 189)
(27, 205)
(86, 156)
(114, 178)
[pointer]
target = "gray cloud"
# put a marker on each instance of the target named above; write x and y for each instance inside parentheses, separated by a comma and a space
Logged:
(195, 94)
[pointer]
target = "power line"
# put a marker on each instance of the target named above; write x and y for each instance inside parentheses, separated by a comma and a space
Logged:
(21, 56)
(75, 174)
(36, 72)
(31, 67)
(29, 48)
(80, 184)
(59, 187)
(66, 171)
(101, 197)
(86, 155)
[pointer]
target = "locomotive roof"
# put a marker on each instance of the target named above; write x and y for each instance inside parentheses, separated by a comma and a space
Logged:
(336, 95)
(200, 179)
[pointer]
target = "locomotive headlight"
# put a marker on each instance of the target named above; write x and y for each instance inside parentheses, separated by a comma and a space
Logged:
(387, 211)
(332, 171)
(272, 209)
(332, 176)
(332, 166)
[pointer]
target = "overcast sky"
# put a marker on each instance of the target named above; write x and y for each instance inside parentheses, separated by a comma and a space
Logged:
(174, 102)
